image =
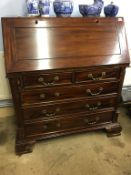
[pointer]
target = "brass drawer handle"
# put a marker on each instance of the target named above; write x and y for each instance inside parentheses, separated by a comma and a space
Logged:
(42, 81)
(57, 94)
(86, 120)
(93, 107)
(47, 114)
(57, 109)
(45, 126)
(92, 123)
(103, 75)
(92, 93)
(58, 125)
(42, 96)
(56, 78)
(50, 114)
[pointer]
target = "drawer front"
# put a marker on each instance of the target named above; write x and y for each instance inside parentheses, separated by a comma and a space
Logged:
(67, 108)
(100, 74)
(63, 124)
(42, 80)
(60, 93)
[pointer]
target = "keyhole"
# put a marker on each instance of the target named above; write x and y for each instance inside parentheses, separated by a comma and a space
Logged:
(36, 21)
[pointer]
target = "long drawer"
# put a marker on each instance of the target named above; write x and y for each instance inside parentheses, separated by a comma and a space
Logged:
(67, 108)
(64, 124)
(67, 92)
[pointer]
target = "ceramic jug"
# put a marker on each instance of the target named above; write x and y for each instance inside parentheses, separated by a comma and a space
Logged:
(44, 6)
(32, 7)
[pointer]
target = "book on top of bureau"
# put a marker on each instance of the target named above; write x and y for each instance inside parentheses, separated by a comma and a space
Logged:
(65, 74)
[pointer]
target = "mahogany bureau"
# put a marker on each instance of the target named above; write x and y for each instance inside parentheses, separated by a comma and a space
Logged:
(65, 75)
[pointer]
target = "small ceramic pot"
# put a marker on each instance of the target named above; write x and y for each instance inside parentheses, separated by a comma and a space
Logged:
(32, 7)
(111, 10)
(63, 8)
(91, 10)
(44, 6)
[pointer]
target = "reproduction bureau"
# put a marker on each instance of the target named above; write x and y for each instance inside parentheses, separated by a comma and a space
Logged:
(65, 75)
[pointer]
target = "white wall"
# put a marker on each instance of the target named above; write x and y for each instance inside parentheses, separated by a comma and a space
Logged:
(18, 8)
(4, 85)
(11, 8)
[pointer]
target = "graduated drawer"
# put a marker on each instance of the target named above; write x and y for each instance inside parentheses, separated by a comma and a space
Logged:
(39, 79)
(67, 92)
(67, 124)
(67, 108)
(97, 74)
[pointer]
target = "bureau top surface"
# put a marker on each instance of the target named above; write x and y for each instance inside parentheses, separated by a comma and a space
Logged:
(57, 43)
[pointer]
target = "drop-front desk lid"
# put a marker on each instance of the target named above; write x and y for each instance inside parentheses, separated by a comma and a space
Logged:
(57, 43)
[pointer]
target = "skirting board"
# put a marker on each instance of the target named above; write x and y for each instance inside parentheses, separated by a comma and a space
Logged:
(6, 103)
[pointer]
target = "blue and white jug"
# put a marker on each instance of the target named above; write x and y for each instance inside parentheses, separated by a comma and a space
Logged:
(32, 7)
(44, 6)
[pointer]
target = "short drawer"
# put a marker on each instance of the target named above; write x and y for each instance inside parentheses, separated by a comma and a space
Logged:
(59, 93)
(64, 124)
(31, 80)
(98, 74)
(67, 108)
